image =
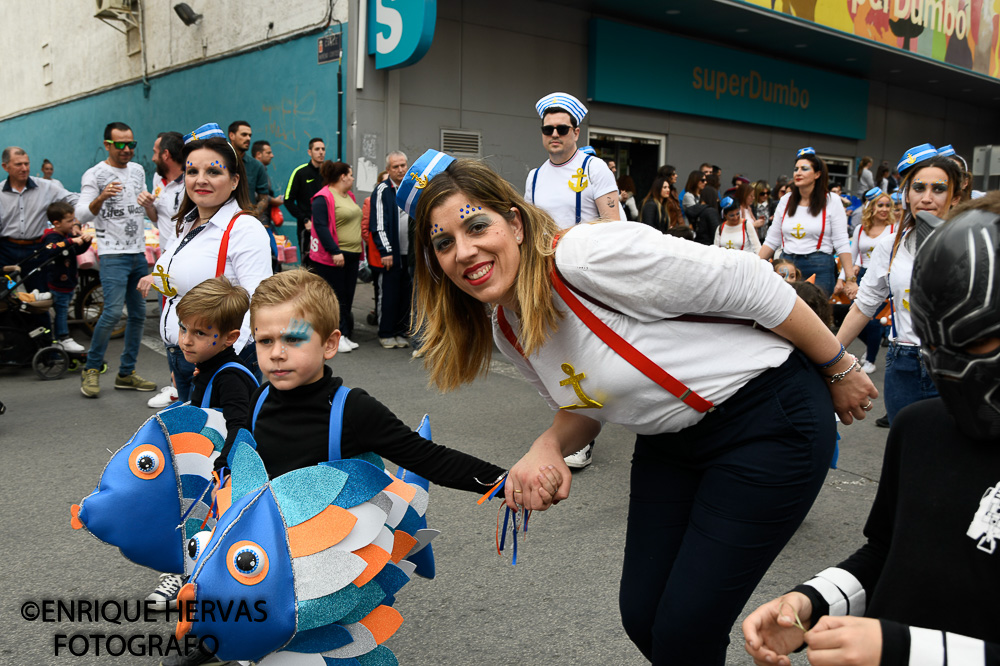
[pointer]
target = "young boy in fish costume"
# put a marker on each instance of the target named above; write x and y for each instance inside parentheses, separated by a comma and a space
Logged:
(304, 407)
(209, 318)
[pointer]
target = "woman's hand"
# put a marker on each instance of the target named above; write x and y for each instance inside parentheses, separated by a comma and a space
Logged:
(338, 260)
(145, 282)
(852, 395)
(851, 290)
(855, 641)
(770, 632)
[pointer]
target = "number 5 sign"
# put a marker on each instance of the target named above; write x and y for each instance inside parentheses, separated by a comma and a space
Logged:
(400, 31)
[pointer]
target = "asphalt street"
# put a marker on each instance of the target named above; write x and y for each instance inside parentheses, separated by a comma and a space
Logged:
(558, 605)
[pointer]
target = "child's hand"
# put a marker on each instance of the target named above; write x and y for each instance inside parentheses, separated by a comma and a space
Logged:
(86, 238)
(549, 480)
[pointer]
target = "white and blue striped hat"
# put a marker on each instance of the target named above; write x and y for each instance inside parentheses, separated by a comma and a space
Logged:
(563, 100)
(924, 151)
(873, 193)
(946, 151)
(808, 150)
(417, 176)
(206, 131)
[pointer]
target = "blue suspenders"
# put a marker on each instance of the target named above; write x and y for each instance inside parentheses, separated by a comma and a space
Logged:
(579, 195)
(207, 398)
(336, 418)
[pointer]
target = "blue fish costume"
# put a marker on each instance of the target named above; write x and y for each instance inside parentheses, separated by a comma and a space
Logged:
(307, 564)
(152, 497)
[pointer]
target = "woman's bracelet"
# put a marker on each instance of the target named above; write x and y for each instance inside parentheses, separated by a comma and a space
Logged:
(836, 358)
(839, 377)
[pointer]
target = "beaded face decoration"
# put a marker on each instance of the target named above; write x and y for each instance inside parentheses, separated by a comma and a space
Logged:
(468, 210)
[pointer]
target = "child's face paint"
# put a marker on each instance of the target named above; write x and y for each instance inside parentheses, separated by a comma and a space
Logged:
(289, 351)
(198, 340)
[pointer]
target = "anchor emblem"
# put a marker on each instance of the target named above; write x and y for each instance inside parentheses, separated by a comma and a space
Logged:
(421, 180)
(581, 181)
(906, 303)
(167, 290)
(798, 231)
(574, 380)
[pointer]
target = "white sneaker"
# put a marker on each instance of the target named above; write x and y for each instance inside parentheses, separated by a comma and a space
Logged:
(354, 345)
(165, 594)
(387, 343)
(70, 345)
(868, 367)
(166, 396)
(581, 458)
(344, 346)
(401, 342)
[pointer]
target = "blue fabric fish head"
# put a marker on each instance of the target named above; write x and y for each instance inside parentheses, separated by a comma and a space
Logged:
(152, 495)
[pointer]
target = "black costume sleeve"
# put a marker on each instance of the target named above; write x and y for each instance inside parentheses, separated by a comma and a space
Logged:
(231, 393)
(899, 640)
(320, 214)
(371, 426)
(292, 196)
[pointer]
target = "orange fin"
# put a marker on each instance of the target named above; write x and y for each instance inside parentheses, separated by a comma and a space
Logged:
(323, 530)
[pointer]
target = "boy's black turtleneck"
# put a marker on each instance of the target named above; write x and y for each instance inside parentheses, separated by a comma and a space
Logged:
(231, 393)
(292, 431)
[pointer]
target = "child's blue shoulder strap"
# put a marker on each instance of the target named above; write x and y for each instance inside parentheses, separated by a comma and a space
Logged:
(336, 418)
(207, 398)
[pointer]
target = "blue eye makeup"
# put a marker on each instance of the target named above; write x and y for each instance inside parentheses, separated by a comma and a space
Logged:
(299, 331)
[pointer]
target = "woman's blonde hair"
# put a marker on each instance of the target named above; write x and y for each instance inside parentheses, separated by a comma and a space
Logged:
(868, 214)
(457, 328)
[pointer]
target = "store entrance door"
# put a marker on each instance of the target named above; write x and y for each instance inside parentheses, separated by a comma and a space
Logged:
(636, 154)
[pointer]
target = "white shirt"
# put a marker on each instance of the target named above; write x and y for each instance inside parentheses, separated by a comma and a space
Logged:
(863, 245)
(248, 261)
(649, 278)
(879, 279)
(169, 195)
(739, 237)
(801, 231)
(119, 224)
(553, 191)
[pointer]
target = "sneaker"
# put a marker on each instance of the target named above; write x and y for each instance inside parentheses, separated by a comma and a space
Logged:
(401, 342)
(387, 343)
(197, 656)
(417, 353)
(166, 396)
(868, 367)
(90, 386)
(134, 382)
(581, 458)
(354, 345)
(882, 421)
(165, 594)
(344, 346)
(70, 345)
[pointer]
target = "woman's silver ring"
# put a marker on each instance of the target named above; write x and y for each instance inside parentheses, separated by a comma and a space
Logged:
(867, 407)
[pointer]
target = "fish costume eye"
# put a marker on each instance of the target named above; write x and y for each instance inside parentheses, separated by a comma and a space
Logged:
(146, 461)
(196, 544)
(247, 562)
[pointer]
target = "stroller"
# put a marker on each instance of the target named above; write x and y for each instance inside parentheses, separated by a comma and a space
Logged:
(23, 342)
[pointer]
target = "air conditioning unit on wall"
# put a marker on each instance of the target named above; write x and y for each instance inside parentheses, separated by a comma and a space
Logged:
(111, 9)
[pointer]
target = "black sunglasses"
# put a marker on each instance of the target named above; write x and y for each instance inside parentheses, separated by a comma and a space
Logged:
(563, 130)
(122, 145)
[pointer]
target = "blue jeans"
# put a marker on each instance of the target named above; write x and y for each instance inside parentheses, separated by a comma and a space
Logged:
(871, 334)
(823, 266)
(60, 304)
(120, 273)
(183, 372)
(906, 378)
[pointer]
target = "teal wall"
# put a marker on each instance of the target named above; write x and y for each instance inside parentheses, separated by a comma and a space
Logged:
(701, 79)
(280, 90)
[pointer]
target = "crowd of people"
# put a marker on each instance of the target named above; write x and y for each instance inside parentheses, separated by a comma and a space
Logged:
(674, 318)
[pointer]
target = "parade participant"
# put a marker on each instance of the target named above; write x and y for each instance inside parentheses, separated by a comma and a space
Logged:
(940, 456)
(218, 234)
(715, 436)
(335, 246)
(930, 185)
(897, 207)
(736, 232)
(571, 186)
(209, 318)
(815, 228)
(168, 185)
(876, 218)
(113, 195)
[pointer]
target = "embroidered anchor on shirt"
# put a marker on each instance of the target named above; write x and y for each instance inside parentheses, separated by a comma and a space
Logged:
(167, 290)
(798, 231)
(581, 181)
(906, 303)
(574, 380)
